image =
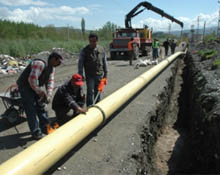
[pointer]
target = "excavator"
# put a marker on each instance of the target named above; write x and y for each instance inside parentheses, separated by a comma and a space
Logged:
(142, 36)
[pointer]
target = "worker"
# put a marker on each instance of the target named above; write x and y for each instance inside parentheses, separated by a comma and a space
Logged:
(69, 99)
(37, 74)
(172, 46)
(131, 50)
(166, 46)
(93, 61)
(155, 47)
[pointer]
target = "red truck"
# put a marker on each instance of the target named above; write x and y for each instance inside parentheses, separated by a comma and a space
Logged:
(119, 45)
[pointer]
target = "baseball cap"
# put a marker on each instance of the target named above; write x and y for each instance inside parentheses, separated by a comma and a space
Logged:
(56, 55)
(78, 79)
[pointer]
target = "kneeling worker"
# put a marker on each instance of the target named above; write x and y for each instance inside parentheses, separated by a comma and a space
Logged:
(69, 99)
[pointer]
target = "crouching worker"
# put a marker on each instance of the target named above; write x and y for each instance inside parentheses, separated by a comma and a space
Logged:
(69, 100)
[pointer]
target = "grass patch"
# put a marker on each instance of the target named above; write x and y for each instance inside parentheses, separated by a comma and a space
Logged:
(216, 63)
(207, 54)
(24, 47)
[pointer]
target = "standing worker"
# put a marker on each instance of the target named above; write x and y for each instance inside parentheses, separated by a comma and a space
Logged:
(173, 46)
(93, 60)
(69, 99)
(166, 46)
(155, 46)
(37, 74)
(131, 50)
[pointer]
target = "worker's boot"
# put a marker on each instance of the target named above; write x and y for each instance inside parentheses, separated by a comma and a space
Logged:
(49, 129)
(56, 125)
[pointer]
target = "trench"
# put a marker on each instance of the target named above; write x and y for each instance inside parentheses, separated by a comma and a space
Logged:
(174, 136)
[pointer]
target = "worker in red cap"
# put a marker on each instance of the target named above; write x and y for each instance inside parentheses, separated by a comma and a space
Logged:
(69, 99)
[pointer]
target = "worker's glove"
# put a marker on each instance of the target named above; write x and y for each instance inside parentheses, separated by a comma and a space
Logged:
(42, 94)
(44, 99)
(102, 83)
(47, 100)
(104, 80)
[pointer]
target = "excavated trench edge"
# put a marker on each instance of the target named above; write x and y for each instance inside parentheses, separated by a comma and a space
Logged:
(193, 111)
(157, 121)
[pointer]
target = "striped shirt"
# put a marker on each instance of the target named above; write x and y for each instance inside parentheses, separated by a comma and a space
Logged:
(37, 68)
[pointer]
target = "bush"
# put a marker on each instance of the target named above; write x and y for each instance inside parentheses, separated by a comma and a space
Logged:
(16, 49)
(207, 54)
(4, 47)
(216, 64)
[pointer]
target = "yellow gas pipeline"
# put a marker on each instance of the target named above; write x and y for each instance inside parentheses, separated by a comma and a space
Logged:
(39, 157)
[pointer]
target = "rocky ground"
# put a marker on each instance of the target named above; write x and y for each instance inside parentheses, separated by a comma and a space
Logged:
(117, 147)
(169, 127)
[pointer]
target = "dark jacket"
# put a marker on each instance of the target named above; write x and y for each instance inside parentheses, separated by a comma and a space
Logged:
(93, 61)
(166, 44)
(43, 79)
(68, 97)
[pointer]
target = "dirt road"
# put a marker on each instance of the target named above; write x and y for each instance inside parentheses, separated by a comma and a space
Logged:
(111, 148)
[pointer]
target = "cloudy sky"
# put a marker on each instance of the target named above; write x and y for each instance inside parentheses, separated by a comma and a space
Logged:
(97, 12)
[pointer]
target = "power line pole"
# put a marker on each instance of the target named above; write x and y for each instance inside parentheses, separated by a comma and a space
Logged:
(203, 36)
(192, 33)
(169, 30)
(181, 35)
(68, 32)
(197, 33)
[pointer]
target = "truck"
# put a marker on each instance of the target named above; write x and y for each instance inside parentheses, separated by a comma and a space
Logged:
(119, 45)
(142, 36)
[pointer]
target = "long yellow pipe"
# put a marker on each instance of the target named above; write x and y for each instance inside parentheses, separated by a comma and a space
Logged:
(40, 156)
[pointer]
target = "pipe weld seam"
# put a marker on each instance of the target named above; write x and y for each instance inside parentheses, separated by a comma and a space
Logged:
(103, 113)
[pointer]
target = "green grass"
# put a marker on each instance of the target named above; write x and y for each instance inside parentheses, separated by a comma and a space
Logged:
(24, 47)
(207, 54)
(216, 62)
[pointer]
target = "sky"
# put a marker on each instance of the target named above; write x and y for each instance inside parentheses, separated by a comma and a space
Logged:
(98, 12)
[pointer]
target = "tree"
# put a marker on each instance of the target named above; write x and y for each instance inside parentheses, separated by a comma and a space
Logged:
(83, 26)
(107, 30)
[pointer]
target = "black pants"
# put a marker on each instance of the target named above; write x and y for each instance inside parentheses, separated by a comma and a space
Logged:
(166, 51)
(131, 57)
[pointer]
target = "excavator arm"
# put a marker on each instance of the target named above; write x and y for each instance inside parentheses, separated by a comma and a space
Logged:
(148, 6)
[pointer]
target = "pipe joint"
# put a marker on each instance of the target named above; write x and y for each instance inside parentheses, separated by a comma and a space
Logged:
(103, 113)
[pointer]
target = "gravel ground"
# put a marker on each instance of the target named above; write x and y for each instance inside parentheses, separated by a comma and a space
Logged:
(109, 149)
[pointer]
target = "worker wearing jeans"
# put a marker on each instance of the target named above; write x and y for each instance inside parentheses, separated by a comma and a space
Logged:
(37, 74)
(33, 108)
(93, 61)
(92, 83)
